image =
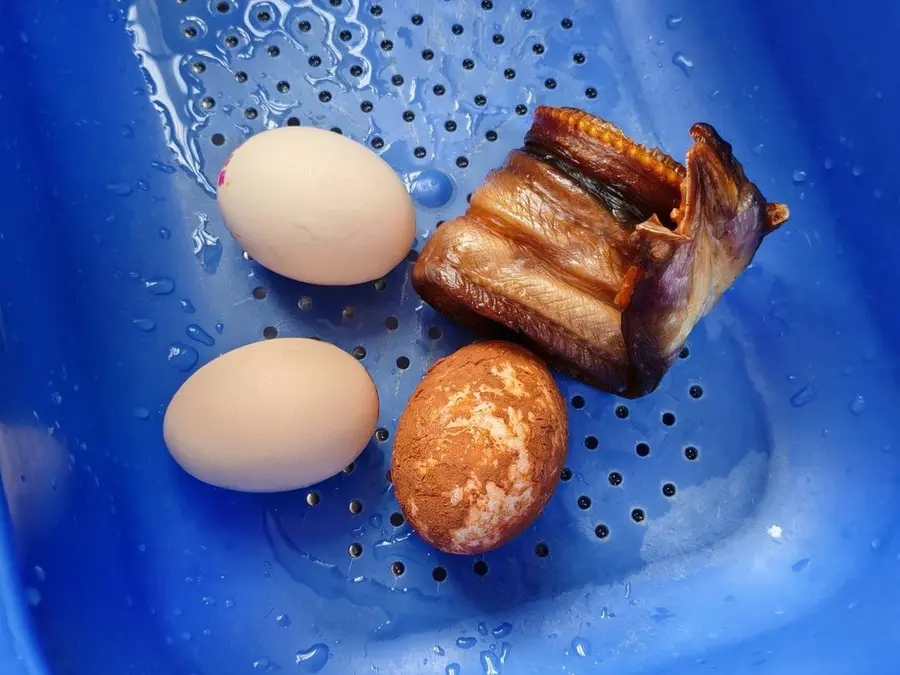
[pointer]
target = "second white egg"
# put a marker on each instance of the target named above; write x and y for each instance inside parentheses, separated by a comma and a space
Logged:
(317, 207)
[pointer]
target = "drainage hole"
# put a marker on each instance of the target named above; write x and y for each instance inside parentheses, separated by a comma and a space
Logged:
(356, 507)
(691, 453)
(480, 568)
(638, 515)
(439, 574)
(218, 139)
(622, 412)
(584, 502)
(397, 519)
(359, 353)
(398, 568)
(260, 293)
(270, 332)
(391, 323)
(403, 362)
(615, 478)
(642, 449)
(312, 498)
(355, 550)
(668, 419)
(578, 402)
(382, 435)
(565, 474)
(591, 442)
(542, 550)
(435, 333)
(602, 531)
(696, 391)
(668, 490)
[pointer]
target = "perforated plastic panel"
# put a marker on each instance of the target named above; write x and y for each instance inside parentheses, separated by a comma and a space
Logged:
(721, 508)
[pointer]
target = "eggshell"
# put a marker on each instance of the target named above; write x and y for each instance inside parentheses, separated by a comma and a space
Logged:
(479, 448)
(272, 416)
(317, 207)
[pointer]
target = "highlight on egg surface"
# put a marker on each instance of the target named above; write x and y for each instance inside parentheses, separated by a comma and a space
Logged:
(316, 206)
(272, 416)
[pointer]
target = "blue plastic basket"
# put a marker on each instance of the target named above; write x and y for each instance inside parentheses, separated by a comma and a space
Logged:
(777, 552)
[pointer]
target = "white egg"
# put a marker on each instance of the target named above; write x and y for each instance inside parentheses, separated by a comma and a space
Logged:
(272, 416)
(317, 207)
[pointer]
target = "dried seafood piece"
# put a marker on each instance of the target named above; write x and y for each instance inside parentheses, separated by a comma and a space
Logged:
(596, 251)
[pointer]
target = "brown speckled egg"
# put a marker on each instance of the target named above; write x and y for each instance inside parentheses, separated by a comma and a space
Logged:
(479, 448)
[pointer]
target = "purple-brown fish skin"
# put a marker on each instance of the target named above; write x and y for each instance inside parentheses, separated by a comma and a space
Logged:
(597, 252)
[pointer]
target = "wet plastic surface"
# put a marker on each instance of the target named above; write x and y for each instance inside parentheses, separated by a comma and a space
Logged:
(739, 519)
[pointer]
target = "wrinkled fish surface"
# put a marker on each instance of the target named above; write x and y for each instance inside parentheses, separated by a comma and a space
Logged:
(595, 251)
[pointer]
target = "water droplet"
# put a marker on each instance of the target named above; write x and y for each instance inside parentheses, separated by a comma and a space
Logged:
(199, 335)
(183, 357)
(145, 325)
(800, 565)
(187, 306)
(229, 602)
(312, 660)
(283, 620)
(33, 595)
(684, 63)
(758, 149)
(185, 636)
(439, 650)
(143, 185)
(120, 189)
(261, 662)
(798, 176)
(804, 396)
(160, 285)
(161, 166)
(208, 600)
(39, 573)
(505, 649)
(207, 247)
(828, 163)
(581, 646)
(466, 642)
(220, 328)
(375, 520)
(858, 405)
(165, 233)
(452, 669)
(432, 189)
(673, 21)
(489, 663)
(502, 631)
(857, 171)
(482, 628)
(56, 397)
(141, 413)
